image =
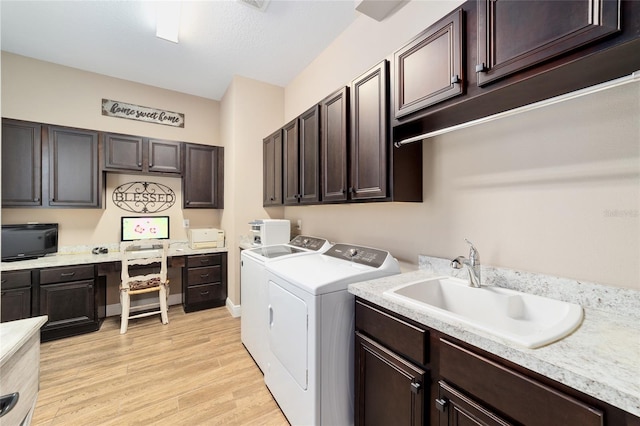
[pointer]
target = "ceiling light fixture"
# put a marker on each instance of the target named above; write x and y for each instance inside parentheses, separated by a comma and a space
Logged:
(168, 20)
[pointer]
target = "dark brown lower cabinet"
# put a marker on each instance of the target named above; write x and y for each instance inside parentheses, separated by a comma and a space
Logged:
(204, 282)
(402, 401)
(69, 297)
(15, 295)
(407, 374)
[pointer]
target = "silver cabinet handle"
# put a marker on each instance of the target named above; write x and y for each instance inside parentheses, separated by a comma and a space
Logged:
(7, 402)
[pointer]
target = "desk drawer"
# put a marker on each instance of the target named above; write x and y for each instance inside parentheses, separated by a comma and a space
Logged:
(204, 293)
(15, 279)
(204, 260)
(395, 334)
(66, 274)
(209, 274)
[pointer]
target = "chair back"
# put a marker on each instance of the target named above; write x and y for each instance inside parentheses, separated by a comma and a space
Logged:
(132, 256)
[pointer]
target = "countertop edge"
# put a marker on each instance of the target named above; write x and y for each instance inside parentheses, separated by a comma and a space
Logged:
(19, 332)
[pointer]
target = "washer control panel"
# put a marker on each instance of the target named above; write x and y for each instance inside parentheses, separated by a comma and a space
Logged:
(363, 255)
(309, 243)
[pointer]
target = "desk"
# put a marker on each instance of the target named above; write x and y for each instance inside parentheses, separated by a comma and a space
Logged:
(70, 287)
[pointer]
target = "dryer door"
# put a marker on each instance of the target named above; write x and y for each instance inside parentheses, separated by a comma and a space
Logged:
(288, 332)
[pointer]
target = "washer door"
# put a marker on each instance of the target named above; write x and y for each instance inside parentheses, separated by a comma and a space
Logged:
(288, 332)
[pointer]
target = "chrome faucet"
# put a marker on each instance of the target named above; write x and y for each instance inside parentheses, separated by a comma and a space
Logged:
(472, 264)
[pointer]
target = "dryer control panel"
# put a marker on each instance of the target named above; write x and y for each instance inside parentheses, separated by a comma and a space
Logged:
(363, 255)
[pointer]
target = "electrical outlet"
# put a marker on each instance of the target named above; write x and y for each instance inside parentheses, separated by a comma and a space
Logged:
(299, 224)
(185, 223)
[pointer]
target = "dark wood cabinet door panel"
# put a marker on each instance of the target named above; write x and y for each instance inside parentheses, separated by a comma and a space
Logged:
(123, 152)
(15, 303)
(334, 114)
(429, 69)
(15, 279)
(21, 163)
(272, 169)
(291, 163)
(456, 409)
(74, 175)
(388, 389)
(203, 182)
(165, 156)
(205, 293)
(503, 390)
(309, 181)
(207, 274)
(67, 304)
(66, 273)
(514, 35)
(369, 126)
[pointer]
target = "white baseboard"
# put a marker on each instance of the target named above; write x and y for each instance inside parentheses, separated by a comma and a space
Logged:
(115, 309)
(234, 310)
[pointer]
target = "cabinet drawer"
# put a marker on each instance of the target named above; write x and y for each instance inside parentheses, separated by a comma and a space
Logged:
(210, 274)
(394, 333)
(204, 260)
(521, 398)
(15, 279)
(65, 274)
(204, 293)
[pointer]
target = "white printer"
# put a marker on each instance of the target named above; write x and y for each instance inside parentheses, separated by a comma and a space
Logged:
(206, 238)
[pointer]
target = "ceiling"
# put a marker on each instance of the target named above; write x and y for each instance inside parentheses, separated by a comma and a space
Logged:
(218, 39)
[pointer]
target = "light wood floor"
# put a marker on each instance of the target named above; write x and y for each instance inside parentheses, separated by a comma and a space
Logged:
(192, 371)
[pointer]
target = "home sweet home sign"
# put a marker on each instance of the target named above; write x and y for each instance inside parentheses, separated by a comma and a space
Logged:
(141, 113)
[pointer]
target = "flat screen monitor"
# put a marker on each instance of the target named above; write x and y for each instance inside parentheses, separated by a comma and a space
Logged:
(133, 228)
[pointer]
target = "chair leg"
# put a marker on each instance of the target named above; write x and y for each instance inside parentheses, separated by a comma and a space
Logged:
(163, 294)
(124, 317)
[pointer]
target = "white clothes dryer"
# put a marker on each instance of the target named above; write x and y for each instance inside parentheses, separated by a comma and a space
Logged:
(253, 290)
(311, 331)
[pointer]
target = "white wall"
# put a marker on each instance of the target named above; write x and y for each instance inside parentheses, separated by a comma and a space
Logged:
(553, 191)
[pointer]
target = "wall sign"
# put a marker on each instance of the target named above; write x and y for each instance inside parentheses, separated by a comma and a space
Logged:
(143, 197)
(141, 113)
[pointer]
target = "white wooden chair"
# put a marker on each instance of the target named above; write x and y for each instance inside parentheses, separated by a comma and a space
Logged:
(140, 284)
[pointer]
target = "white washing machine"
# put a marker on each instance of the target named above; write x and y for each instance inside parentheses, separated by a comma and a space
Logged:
(311, 326)
(253, 290)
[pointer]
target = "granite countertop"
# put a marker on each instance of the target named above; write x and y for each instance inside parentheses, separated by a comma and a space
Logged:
(14, 334)
(601, 358)
(81, 255)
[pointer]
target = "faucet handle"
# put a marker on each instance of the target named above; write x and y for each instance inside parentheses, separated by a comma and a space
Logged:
(473, 253)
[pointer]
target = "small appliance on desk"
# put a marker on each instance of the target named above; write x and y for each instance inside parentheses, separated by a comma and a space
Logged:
(206, 238)
(267, 232)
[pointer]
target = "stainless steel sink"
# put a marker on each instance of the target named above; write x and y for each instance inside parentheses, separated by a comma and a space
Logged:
(524, 319)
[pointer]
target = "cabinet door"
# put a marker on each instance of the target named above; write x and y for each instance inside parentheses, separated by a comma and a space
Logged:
(369, 133)
(15, 304)
(429, 68)
(21, 163)
(272, 169)
(123, 152)
(309, 182)
(164, 156)
(388, 389)
(513, 35)
(74, 176)
(68, 304)
(334, 112)
(456, 409)
(203, 182)
(290, 168)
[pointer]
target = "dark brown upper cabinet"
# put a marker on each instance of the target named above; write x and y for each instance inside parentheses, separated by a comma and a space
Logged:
(125, 153)
(203, 180)
(429, 69)
(301, 168)
(21, 163)
(514, 35)
(369, 138)
(49, 166)
(74, 174)
(272, 169)
(334, 113)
